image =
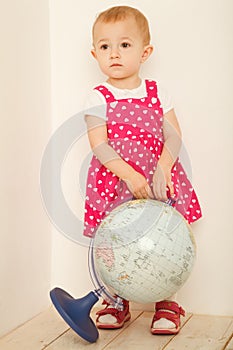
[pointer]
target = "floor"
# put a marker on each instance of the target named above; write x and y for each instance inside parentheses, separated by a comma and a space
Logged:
(48, 331)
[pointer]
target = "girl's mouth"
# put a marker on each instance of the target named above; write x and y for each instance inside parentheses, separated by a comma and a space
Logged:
(116, 65)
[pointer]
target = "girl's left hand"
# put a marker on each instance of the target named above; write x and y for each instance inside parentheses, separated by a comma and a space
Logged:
(162, 183)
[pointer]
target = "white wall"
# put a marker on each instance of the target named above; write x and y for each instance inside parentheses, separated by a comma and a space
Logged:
(193, 59)
(25, 235)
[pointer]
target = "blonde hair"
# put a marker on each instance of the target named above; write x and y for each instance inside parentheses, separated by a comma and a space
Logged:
(120, 13)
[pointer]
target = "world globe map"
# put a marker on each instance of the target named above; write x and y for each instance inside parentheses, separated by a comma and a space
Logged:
(144, 251)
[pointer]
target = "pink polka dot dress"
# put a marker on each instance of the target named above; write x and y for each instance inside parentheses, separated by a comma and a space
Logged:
(135, 132)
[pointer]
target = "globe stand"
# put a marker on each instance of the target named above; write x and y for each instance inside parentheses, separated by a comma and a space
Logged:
(76, 312)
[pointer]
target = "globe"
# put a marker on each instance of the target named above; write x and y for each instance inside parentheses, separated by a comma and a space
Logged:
(144, 251)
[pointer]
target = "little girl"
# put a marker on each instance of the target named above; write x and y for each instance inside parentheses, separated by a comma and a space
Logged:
(135, 137)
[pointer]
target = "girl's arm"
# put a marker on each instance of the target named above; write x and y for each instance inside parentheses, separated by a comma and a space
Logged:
(171, 148)
(97, 134)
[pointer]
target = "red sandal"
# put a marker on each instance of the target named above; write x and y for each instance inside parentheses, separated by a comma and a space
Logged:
(174, 316)
(121, 316)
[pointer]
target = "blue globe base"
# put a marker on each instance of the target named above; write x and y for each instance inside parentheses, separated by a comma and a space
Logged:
(76, 312)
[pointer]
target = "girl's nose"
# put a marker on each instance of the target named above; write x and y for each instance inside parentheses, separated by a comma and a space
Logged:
(114, 53)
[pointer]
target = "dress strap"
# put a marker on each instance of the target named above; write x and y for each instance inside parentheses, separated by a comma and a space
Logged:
(106, 93)
(151, 88)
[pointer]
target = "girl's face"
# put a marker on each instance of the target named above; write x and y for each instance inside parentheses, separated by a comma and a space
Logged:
(119, 49)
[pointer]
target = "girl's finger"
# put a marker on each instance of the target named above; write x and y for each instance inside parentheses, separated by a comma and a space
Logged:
(144, 194)
(158, 194)
(155, 191)
(171, 189)
(149, 192)
(138, 195)
(155, 187)
(163, 193)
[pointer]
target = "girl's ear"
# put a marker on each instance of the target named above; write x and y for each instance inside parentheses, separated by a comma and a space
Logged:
(147, 51)
(93, 52)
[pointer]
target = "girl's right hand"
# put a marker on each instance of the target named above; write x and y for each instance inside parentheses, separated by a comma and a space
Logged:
(138, 186)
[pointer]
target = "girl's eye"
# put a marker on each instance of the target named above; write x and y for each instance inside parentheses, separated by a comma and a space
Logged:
(104, 47)
(125, 45)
